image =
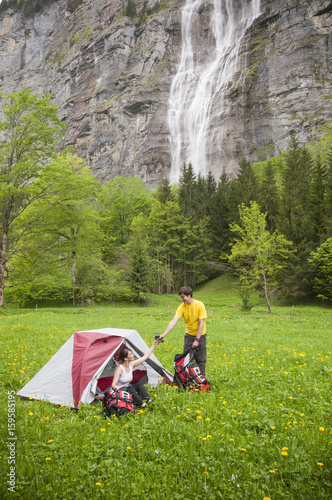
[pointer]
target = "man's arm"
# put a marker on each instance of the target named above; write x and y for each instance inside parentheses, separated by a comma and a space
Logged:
(170, 326)
(199, 332)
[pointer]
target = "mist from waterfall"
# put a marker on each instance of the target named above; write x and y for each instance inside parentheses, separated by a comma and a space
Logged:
(200, 80)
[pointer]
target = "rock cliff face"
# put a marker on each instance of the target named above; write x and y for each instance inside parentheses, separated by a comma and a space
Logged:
(111, 76)
(289, 81)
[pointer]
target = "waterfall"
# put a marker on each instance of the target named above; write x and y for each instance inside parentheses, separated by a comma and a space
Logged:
(205, 71)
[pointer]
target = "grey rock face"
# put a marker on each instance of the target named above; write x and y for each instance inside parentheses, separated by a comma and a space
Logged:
(111, 80)
(289, 80)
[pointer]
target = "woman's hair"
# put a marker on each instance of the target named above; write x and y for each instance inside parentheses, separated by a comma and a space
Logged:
(124, 354)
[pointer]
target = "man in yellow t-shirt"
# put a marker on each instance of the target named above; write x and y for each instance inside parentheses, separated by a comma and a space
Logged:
(194, 314)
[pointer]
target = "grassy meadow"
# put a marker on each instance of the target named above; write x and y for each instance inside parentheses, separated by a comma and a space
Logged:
(263, 432)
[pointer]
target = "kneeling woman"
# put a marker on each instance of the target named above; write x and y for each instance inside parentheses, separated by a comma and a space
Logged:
(124, 373)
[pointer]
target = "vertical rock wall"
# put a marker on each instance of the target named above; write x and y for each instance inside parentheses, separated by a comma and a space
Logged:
(111, 79)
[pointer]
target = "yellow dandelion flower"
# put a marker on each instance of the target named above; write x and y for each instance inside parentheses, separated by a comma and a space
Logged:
(47, 458)
(266, 498)
(50, 441)
(284, 453)
(321, 429)
(320, 463)
(30, 413)
(128, 447)
(272, 427)
(205, 472)
(272, 471)
(199, 417)
(207, 419)
(284, 448)
(98, 484)
(102, 430)
(231, 439)
(243, 449)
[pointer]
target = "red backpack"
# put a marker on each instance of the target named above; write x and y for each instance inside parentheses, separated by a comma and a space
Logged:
(118, 403)
(187, 372)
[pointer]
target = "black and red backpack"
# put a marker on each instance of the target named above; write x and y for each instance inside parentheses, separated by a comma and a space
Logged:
(118, 403)
(187, 372)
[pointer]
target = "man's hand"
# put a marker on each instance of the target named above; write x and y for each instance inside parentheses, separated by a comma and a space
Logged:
(195, 343)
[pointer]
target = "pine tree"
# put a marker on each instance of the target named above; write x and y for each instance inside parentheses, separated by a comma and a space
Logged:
(268, 196)
(140, 267)
(328, 196)
(317, 202)
(194, 250)
(243, 189)
(320, 263)
(219, 217)
(164, 192)
(293, 220)
(164, 226)
(188, 190)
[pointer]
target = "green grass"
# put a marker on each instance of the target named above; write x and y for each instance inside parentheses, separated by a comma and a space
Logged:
(264, 430)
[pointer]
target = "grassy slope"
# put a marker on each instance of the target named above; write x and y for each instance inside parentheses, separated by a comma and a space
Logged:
(271, 389)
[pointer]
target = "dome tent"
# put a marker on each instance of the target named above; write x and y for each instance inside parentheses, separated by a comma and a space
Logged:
(85, 364)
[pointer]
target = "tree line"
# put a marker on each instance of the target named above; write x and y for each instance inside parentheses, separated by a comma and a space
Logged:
(27, 7)
(65, 236)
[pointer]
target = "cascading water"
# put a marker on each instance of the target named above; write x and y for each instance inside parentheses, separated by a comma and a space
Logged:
(196, 97)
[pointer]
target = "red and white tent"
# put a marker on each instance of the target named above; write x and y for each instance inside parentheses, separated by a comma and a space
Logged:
(85, 364)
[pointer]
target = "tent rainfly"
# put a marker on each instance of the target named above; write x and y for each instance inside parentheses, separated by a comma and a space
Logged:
(84, 367)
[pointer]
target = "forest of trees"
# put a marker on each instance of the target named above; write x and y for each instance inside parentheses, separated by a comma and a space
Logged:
(64, 236)
(28, 7)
